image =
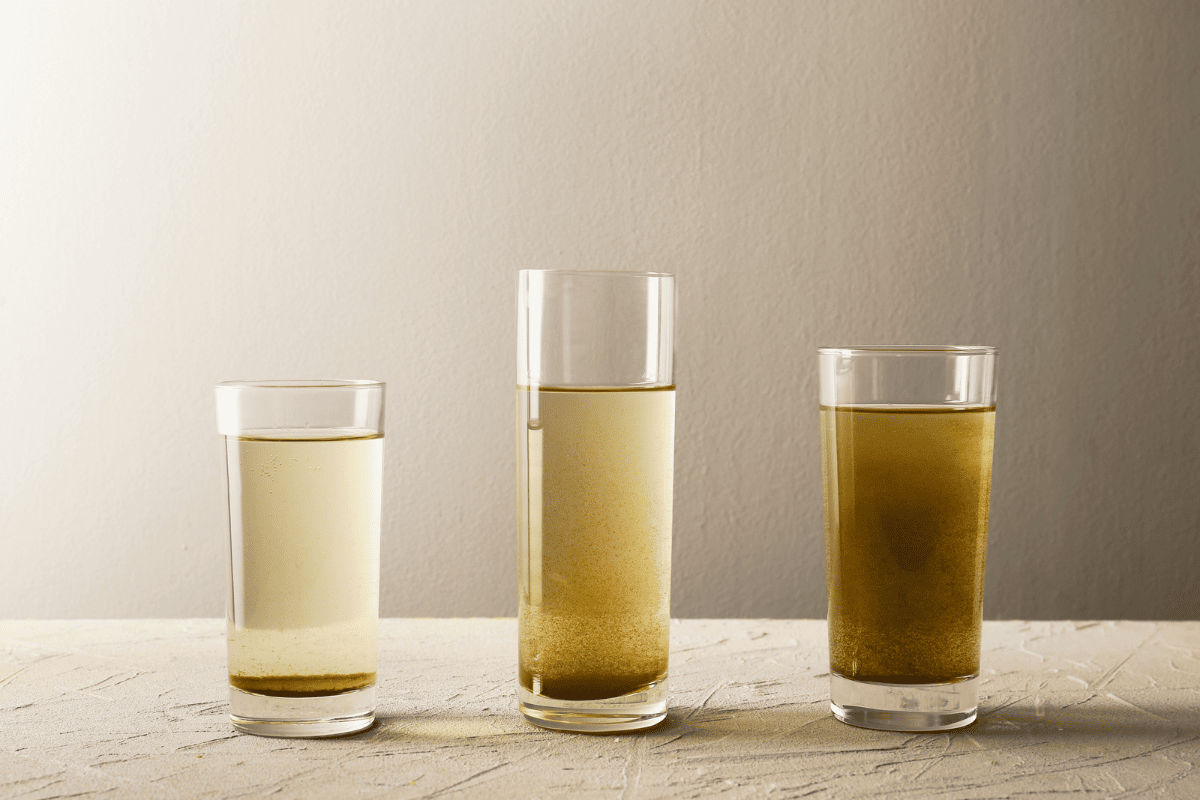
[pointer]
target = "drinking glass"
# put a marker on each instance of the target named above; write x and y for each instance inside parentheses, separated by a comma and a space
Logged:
(906, 449)
(305, 466)
(595, 455)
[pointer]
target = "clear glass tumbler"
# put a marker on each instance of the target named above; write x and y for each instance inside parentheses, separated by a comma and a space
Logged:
(906, 448)
(595, 468)
(305, 467)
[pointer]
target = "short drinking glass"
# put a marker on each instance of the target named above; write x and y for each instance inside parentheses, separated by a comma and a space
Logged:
(906, 448)
(595, 450)
(304, 465)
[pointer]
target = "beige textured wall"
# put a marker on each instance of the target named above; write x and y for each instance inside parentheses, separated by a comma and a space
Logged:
(199, 191)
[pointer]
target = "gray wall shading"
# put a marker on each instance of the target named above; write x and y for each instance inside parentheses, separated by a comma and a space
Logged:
(206, 191)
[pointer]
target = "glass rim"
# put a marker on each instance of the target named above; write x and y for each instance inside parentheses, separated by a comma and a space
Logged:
(598, 273)
(334, 383)
(910, 349)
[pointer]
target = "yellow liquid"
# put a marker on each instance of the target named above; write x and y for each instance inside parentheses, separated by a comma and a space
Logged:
(304, 523)
(906, 513)
(595, 472)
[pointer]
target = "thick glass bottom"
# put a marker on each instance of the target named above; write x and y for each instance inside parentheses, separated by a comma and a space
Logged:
(302, 717)
(631, 712)
(912, 707)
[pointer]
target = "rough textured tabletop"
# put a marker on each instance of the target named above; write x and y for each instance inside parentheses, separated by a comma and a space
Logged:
(138, 709)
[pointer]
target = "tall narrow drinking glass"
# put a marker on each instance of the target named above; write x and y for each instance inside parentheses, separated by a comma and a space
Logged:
(595, 468)
(906, 448)
(305, 466)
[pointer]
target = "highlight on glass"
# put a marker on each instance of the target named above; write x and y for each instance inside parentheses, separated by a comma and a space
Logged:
(595, 455)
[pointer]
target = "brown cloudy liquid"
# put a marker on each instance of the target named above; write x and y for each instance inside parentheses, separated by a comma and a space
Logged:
(906, 513)
(304, 522)
(595, 472)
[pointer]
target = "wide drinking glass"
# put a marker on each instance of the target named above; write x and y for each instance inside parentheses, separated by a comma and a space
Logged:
(595, 467)
(305, 466)
(906, 449)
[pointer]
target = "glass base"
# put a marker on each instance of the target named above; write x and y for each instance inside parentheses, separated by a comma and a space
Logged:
(302, 717)
(911, 707)
(630, 712)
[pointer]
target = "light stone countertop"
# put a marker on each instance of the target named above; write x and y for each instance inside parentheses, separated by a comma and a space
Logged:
(137, 708)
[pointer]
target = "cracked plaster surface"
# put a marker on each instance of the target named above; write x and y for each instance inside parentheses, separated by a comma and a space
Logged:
(137, 708)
